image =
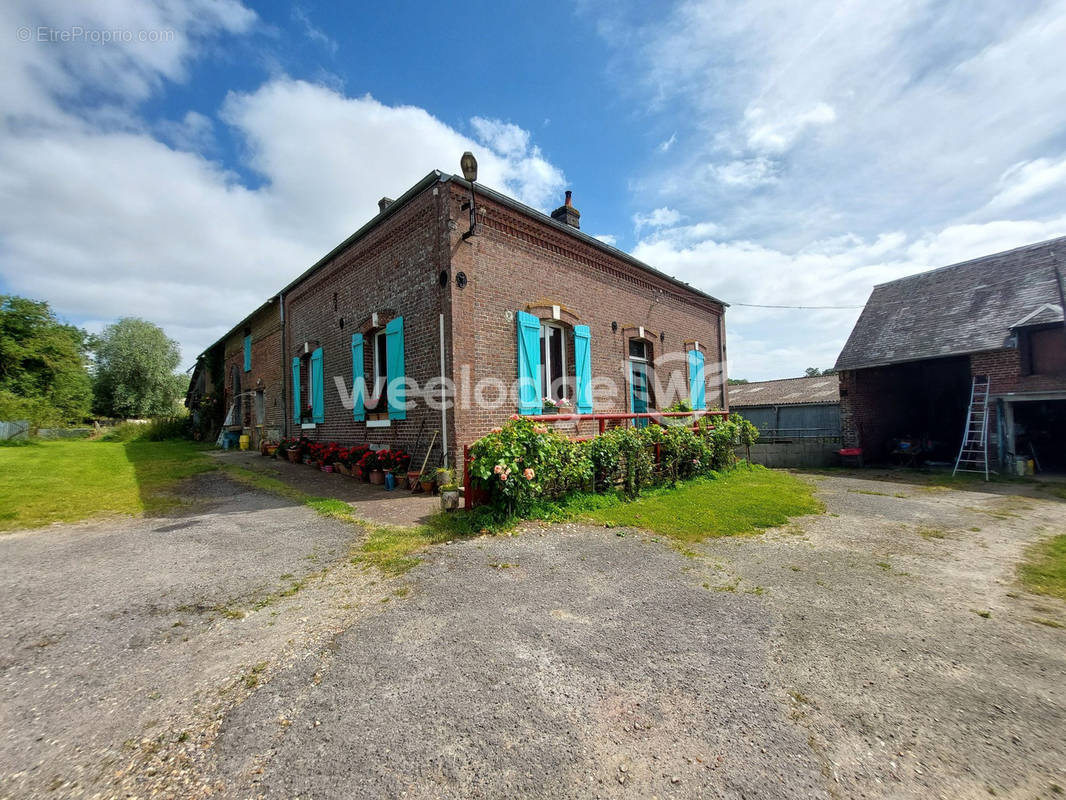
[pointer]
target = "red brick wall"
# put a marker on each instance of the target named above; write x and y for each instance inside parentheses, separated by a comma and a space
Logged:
(518, 263)
(266, 374)
(392, 270)
(1004, 370)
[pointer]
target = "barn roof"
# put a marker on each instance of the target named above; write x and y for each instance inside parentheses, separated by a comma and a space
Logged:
(789, 391)
(955, 310)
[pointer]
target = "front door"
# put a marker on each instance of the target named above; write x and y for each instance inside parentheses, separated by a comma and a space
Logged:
(639, 384)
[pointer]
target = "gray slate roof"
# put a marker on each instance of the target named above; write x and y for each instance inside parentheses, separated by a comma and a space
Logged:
(955, 310)
(789, 391)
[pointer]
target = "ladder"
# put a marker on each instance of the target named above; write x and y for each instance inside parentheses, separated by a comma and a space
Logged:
(973, 453)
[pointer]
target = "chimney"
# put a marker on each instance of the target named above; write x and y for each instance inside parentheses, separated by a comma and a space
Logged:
(384, 203)
(567, 214)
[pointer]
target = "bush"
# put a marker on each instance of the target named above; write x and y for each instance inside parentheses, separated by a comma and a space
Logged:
(524, 464)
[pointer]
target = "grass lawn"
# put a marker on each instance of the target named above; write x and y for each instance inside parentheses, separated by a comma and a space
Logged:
(1044, 570)
(66, 481)
(743, 500)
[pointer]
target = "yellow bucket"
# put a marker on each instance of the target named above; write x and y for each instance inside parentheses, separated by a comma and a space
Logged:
(245, 441)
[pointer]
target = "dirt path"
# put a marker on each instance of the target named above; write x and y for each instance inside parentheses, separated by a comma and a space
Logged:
(903, 645)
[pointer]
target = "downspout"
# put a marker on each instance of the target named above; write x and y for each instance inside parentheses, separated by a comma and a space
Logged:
(443, 399)
(722, 355)
(284, 361)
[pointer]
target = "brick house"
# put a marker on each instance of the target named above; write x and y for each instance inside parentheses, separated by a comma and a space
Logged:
(245, 368)
(453, 328)
(906, 369)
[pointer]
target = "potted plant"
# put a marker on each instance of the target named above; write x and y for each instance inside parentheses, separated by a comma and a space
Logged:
(449, 496)
(291, 448)
(443, 476)
(268, 448)
(376, 467)
(425, 480)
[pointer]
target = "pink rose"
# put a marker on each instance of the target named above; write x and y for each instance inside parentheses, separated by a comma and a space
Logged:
(498, 469)
(528, 473)
(503, 476)
(515, 417)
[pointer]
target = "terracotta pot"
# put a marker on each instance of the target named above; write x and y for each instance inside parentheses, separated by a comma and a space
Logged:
(427, 486)
(412, 480)
(341, 468)
(377, 477)
(293, 456)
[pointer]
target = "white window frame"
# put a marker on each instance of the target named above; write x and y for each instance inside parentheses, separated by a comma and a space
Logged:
(546, 360)
(381, 369)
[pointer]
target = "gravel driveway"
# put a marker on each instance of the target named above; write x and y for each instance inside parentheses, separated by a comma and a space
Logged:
(880, 650)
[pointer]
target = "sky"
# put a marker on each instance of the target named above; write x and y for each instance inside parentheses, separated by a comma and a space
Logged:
(182, 160)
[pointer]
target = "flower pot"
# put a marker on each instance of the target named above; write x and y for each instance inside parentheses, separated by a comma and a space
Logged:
(427, 486)
(449, 501)
(293, 456)
(341, 468)
(270, 449)
(377, 477)
(326, 467)
(412, 480)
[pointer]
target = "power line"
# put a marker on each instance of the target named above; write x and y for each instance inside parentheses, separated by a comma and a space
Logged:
(805, 308)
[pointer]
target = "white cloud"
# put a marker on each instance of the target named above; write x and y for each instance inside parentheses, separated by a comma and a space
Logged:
(777, 134)
(607, 238)
(315, 34)
(665, 146)
(831, 148)
(659, 218)
(1028, 179)
(107, 216)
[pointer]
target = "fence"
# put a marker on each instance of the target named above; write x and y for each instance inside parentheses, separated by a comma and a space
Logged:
(16, 429)
(473, 497)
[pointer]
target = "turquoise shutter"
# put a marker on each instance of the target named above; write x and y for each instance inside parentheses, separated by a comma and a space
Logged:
(358, 379)
(247, 353)
(394, 364)
(318, 387)
(529, 394)
(296, 390)
(696, 384)
(583, 368)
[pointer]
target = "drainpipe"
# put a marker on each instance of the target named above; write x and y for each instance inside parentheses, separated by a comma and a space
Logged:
(284, 380)
(443, 398)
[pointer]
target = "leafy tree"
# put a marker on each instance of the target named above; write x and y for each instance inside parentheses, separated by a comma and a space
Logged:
(43, 364)
(135, 363)
(737, 381)
(813, 372)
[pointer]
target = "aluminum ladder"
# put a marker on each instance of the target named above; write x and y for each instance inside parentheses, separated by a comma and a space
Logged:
(973, 452)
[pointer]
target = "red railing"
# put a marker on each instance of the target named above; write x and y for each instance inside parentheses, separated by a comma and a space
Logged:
(473, 497)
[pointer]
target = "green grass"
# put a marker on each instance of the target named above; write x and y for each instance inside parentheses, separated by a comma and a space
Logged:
(744, 500)
(70, 480)
(1044, 570)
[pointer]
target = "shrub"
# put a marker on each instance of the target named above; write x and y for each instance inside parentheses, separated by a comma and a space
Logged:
(176, 426)
(524, 464)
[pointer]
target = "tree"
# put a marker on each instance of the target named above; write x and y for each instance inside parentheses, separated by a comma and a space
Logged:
(43, 364)
(737, 381)
(135, 363)
(814, 372)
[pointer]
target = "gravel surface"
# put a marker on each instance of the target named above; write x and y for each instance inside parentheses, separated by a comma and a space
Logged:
(881, 650)
(122, 641)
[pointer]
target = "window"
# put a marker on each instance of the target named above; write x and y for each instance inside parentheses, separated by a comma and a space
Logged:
(641, 379)
(555, 378)
(381, 370)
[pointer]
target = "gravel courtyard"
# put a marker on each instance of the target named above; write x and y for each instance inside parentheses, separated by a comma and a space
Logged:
(882, 649)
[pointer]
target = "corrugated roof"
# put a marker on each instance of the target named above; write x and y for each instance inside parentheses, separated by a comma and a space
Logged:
(955, 310)
(785, 392)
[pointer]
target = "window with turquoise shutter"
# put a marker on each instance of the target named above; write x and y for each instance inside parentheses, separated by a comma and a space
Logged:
(296, 393)
(583, 369)
(248, 353)
(530, 399)
(318, 388)
(358, 379)
(394, 358)
(696, 381)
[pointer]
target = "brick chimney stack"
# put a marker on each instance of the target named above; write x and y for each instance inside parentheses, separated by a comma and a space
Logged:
(384, 203)
(567, 214)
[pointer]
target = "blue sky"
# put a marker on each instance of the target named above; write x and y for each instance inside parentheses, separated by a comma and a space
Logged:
(766, 152)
